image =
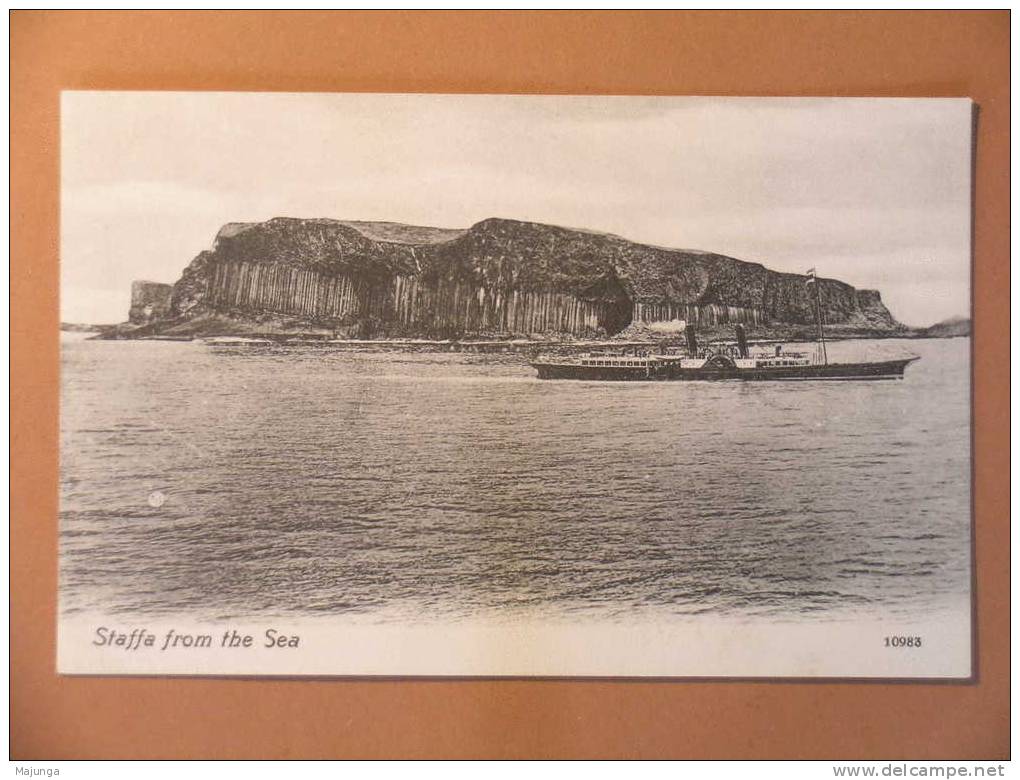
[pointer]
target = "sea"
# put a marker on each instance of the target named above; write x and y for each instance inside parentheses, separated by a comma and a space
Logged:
(241, 483)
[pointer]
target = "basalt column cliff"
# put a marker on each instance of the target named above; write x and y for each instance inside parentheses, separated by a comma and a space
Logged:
(498, 278)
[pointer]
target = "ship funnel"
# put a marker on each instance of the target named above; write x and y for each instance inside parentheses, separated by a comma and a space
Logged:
(742, 341)
(692, 341)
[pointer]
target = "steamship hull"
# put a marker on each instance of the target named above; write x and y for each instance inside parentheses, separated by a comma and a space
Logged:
(885, 369)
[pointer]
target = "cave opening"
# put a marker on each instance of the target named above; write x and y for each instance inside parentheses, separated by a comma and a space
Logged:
(616, 307)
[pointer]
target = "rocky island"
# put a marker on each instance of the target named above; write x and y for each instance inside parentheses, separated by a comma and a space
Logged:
(498, 279)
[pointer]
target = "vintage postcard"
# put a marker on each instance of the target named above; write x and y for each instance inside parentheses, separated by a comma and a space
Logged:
(450, 385)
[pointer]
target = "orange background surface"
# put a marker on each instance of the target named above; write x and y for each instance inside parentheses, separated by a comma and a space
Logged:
(663, 53)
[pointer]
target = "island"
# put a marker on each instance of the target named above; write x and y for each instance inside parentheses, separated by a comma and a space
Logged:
(498, 279)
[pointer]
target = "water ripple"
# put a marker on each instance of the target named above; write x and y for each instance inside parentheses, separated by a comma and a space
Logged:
(308, 481)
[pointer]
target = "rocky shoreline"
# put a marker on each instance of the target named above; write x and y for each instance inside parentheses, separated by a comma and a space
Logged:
(272, 328)
(312, 337)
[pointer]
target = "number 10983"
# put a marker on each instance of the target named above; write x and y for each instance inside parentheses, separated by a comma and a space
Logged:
(903, 641)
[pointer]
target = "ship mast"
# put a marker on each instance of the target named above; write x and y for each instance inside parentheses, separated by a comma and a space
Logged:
(818, 311)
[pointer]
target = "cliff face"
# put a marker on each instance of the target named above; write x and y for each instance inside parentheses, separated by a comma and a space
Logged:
(499, 277)
(150, 302)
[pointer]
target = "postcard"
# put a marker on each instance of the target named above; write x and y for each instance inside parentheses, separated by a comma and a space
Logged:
(502, 386)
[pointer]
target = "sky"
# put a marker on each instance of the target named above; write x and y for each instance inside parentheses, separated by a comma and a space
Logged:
(875, 192)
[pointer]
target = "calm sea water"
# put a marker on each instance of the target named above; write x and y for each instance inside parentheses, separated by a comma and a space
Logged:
(274, 481)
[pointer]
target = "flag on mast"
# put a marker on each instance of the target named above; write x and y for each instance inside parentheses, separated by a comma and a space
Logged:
(810, 276)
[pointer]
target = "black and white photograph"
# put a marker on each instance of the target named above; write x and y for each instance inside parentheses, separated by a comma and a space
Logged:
(418, 385)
